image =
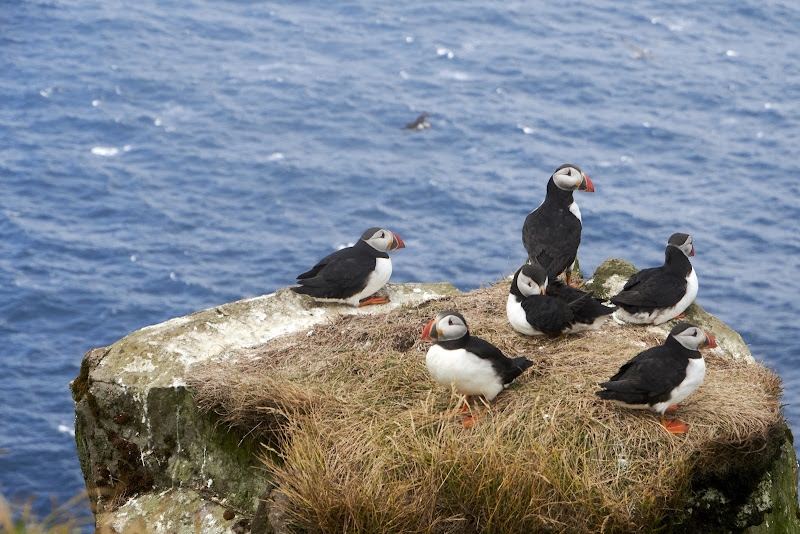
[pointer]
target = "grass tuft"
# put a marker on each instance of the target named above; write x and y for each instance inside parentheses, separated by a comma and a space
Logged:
(362, 440)
(63, 519)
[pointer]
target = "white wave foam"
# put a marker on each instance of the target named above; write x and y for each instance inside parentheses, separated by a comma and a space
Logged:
(455, 75)
(275, 156)
(442, 51)
(105, 151)
(64, 429)
(525, 129)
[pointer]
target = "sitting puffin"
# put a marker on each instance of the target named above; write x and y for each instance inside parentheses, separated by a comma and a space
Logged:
(353, 273)
(472, 365)
(552, 232)
(658, 294)
(660, 377)
(536, 306)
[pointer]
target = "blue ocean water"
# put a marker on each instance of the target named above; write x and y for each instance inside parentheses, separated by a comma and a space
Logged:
(164, 157)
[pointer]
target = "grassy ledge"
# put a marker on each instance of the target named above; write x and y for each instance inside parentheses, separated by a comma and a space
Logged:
(360, 439)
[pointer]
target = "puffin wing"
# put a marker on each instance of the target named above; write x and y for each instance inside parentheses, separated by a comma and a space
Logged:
(546, 314)
(338, 274)
(651, 373)
(332, 257)
(652, 288)
(507, 368)
(585, 307)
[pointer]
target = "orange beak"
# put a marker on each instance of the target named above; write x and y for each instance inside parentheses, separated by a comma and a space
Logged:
(586, 185)
(692, 252)
(426, 333)
(709, 343)
(396, 242)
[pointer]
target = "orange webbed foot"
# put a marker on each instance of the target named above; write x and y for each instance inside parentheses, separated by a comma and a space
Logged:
(674, 426)
(465, 408)
(672, 408)
(679, 316)
(373, 300)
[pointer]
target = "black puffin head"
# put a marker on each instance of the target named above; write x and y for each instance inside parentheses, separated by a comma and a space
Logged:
(448, 326)
(683, 242)
(382, 239)
(569, 177)
(692, 337)
(529, 280)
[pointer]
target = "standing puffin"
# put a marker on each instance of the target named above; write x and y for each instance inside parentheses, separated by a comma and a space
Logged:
(536, 306)
(473, 366)
(658, 294)
(660, 377)
(353, 273)
(552, 232)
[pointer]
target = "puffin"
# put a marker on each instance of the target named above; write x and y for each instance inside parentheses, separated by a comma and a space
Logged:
(353, 274)
(660, 377)
(552, 232)
(420, 123)
(658, 294)
(470, 364)
(537, 306)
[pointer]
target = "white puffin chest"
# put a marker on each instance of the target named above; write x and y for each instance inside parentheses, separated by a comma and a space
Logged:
(518, 318)
(575, 210)
(377, 278)
(695, 373)
(469, 374)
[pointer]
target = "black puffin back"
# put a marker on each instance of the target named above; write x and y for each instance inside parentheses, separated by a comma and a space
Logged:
(584, 306)
(656, 286)
(676, 262)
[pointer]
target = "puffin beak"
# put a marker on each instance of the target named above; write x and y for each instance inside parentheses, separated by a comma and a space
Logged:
(692, 252)
(586, 185)
(541, 288)
(396, 242)
(709, 343)
(430, 333)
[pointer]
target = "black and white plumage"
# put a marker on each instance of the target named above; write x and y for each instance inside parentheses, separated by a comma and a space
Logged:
(552, 232)
(473, 366)
(660, 377)
(420, 123)
(353, 273)
(537, 306)
(658, 294)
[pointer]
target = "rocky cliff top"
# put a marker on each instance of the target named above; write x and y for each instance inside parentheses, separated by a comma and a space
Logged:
(358, 434)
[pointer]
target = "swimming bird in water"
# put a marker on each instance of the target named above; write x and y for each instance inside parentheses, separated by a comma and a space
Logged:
(419, 124)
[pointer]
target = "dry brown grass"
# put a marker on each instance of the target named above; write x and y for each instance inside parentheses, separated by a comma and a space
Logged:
(18, 518)
(366, 441)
